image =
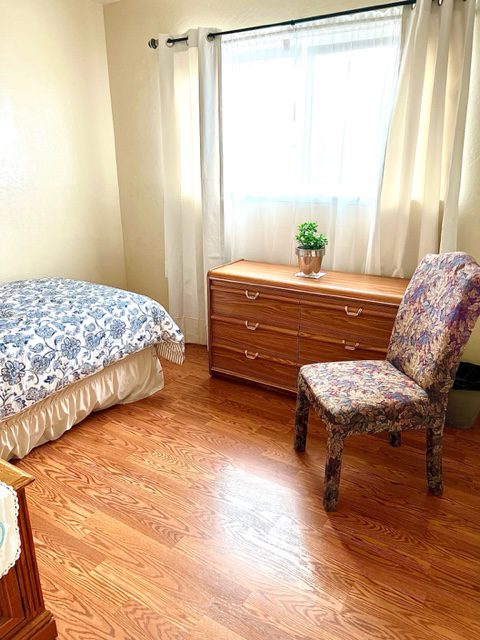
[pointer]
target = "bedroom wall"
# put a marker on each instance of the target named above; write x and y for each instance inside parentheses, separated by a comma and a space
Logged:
(59, 204)
(134, 89)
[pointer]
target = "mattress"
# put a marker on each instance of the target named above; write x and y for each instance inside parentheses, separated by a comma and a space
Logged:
(55, 332)
(134, 377)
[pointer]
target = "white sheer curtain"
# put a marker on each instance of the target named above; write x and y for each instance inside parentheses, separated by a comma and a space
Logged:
(305, 113)
(419, 202)
(189, 93)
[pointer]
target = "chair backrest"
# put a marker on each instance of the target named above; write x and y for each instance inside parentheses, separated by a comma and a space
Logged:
(435, 319)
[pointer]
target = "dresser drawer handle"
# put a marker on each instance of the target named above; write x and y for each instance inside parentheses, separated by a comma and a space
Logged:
(252, 326)
(251, 356)
(251, 296)
(350, 347)
(354, 314)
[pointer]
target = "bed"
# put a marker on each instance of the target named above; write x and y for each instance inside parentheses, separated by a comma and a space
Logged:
(68, 348)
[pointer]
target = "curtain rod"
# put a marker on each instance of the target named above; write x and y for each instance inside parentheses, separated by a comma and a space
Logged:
(153, 43)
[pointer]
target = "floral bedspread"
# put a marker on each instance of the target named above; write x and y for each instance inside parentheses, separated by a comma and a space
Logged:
(55, 331)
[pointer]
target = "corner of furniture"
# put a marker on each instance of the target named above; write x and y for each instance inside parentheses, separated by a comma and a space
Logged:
(22, 610)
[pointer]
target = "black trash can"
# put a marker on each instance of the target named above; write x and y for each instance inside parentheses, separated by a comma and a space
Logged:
(464, 400)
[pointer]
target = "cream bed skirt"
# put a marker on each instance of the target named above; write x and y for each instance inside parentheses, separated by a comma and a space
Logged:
(128, 380)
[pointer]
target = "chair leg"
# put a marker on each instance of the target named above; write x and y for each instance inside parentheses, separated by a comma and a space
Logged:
(395, 438)
(333, 468)
(301, 421)
(434, 460)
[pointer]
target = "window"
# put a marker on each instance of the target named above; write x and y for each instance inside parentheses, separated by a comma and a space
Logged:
(305, 110)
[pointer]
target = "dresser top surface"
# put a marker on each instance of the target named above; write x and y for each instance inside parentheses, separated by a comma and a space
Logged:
(381, 288)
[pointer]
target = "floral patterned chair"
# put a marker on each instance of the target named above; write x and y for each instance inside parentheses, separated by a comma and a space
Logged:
(408, 390)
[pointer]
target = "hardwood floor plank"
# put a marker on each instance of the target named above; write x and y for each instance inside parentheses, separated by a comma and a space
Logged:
(193, 581)
(177, 612)
(148, 623)
(208, 628)
(79, 615)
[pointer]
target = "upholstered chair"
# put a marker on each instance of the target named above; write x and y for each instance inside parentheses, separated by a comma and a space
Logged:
(408, 390)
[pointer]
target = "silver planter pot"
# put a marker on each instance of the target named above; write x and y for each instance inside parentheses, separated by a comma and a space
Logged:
(310, 262)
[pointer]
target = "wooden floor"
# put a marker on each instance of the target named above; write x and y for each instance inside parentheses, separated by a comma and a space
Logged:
(188, 515)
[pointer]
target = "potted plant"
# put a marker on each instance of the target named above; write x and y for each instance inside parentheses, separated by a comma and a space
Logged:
(310, 250)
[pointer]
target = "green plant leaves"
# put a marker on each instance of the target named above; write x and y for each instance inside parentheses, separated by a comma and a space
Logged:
(308, 238)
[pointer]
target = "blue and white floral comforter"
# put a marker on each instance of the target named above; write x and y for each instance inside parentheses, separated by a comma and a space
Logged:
(54, 332)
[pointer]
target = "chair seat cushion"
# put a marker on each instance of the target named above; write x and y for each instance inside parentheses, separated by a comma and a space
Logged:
(364, 396)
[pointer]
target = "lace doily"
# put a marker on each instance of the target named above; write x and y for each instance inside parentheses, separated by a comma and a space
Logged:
(9, 530)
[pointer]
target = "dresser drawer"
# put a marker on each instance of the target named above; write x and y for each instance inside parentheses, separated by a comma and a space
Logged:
(255, 304)
(250, 335)
(255, 366)
(355, 321)
(316, 350)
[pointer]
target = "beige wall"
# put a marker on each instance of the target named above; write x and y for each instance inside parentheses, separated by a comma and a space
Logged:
(59, 205)
(134, 87)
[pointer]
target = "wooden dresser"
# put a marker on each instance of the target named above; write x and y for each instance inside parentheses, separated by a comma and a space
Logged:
(264, 322)
(22, 612)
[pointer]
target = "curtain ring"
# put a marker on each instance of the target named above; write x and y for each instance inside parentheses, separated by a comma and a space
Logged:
(439, 2)
(170, 42)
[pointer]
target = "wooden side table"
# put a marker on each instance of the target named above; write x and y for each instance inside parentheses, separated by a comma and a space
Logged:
(22, 611)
